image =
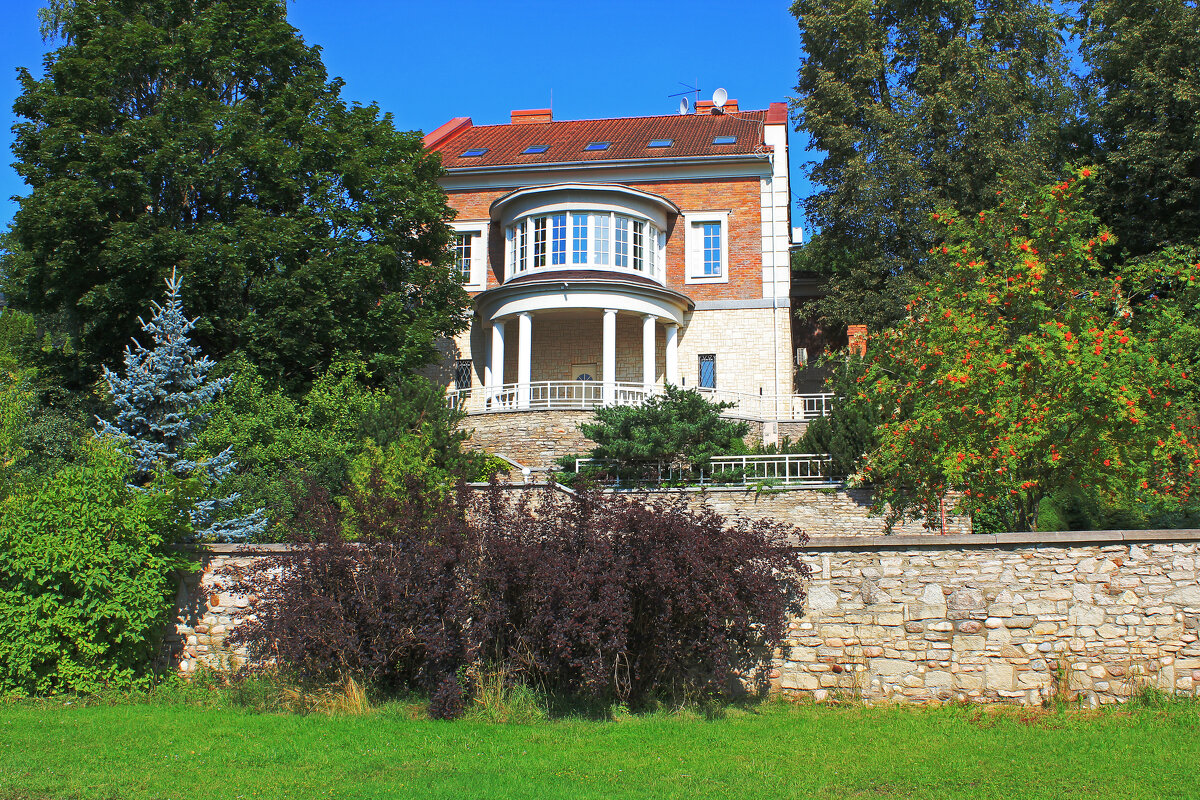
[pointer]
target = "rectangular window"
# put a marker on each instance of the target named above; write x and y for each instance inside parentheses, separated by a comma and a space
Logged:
(661, 142)
(462, 256)
(558, 239)
(724, 140)
(600, 234)
(474, 152)
(639, 245)
(522, 246)
(462, 373)
(621, 243)
(712, 248)
(539, 242)
(579, 243)
(596, 146)
(535, 149)
(708, 371)
(652, 250)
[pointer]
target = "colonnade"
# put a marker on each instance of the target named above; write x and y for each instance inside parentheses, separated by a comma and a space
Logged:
(494, 369)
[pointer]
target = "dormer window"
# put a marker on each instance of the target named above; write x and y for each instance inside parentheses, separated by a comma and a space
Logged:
(724, 140)
(474, 152)
(535, 149)
(597, 145)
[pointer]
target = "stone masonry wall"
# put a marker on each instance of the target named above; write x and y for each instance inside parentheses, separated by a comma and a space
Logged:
(1011, 617)
(532, 438)
(1002, 618)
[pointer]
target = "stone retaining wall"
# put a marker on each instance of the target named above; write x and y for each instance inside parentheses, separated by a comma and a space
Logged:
(1011, 617)
(536, 439)
(818, 512)
(1005, 618)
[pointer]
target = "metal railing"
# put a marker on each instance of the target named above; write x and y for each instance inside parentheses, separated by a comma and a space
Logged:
(810, 470)
(586, 395)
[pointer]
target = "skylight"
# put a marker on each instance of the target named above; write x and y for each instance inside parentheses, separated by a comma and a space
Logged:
(724, 140)
(473, 152)
(596, 146)
(661, 142)
(534, 149)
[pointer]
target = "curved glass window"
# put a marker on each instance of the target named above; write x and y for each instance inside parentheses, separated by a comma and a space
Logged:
(585, 240)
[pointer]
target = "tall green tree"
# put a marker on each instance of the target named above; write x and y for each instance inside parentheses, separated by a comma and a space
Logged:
(918, 105)
(1143, 94)
(206, 135)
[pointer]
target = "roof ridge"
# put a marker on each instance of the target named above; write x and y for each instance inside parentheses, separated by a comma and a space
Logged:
(731, 115)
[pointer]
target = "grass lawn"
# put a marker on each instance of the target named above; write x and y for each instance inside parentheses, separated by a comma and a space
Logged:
(156, 750)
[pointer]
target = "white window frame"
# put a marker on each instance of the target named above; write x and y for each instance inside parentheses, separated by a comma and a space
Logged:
(693, 222)
(478, 231)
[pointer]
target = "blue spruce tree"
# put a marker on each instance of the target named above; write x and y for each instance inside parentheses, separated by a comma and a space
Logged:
(160, 403)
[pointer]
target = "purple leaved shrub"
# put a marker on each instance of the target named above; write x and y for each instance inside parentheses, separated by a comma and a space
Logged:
(595, 596)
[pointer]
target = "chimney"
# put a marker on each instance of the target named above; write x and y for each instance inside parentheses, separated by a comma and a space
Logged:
(529, 116)
(857, 336)
(707, 107)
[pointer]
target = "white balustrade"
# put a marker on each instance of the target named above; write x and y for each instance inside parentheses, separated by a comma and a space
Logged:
(585, 395)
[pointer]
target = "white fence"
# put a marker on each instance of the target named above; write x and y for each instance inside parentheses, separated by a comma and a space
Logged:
(811, 470)
(585, 395)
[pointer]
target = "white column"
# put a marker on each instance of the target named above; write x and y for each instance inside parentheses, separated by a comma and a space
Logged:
(672, 365)
(524, 357)
(648, 353)
(496, 364)
(609, 368)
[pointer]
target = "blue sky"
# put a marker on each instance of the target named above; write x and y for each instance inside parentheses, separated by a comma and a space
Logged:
(426, 62)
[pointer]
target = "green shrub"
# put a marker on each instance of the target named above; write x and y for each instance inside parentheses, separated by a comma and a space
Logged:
(86, 580)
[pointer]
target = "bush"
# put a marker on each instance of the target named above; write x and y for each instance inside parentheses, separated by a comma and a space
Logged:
(676, 427)
(86, 580)
(390, 608)
(594, 596)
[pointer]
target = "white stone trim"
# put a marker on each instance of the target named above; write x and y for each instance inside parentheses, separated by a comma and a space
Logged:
(479, 250)
(693, 246)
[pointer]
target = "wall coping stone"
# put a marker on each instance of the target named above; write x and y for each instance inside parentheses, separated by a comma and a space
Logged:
(933, 541)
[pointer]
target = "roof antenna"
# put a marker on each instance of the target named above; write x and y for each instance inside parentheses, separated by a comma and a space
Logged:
(684, 104)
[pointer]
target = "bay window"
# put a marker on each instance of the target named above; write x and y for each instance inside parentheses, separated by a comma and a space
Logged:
(585, 239)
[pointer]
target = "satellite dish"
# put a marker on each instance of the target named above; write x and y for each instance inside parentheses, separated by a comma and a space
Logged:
(683, 105)
(719, 98)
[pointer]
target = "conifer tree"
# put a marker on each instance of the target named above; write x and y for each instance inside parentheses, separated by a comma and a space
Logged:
(160, 403)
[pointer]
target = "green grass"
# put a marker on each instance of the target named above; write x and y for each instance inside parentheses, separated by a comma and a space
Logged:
(184, 749)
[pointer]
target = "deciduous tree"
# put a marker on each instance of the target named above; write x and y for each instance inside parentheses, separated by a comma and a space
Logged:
(207, 135)
(918, 105)
(1023, 367)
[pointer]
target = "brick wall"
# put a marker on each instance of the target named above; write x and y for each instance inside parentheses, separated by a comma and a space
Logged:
(742, 197)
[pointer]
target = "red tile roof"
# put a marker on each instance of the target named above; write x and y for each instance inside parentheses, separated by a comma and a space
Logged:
(692, 135)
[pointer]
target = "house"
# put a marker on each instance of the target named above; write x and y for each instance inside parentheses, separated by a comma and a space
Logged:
(608, 257)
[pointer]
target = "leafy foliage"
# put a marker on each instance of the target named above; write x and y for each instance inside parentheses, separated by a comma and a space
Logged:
(597, 597)
(1143, 93)
(207, 135)
(1023, 368)
(161, 402)
(85, 581)
(848, 433)
(918, 106)
(679, 425)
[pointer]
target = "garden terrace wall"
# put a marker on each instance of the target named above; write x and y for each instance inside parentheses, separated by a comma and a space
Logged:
(536, 439)
(1010, 617)
(983, 618)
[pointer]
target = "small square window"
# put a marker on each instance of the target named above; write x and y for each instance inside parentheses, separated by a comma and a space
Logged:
(724, 140)
(535, 149)
(661, 142)
(473, 152)
(596, 146)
